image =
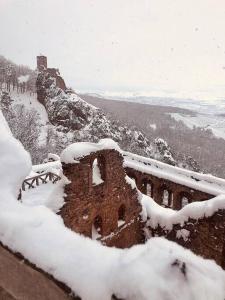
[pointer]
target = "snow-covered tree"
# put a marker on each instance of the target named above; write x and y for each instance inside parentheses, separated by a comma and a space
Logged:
(5, 101)
(163, 152)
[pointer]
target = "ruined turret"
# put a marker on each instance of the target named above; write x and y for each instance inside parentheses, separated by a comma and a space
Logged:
(47, 77)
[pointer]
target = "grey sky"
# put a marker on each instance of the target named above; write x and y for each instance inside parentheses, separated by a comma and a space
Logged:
(137, 45)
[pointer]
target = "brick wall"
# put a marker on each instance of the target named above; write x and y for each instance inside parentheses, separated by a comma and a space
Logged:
(206, 236)
(85, 202)
(159, 185)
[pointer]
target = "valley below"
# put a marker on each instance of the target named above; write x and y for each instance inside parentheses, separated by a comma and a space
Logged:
(191, 127)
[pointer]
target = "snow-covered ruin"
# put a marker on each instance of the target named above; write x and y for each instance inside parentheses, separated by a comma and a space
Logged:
(122, 199)
(154, 270)
(101, 223)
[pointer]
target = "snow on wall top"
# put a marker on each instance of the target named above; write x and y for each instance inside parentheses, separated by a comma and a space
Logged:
(202, 182)
(76, 151)
(167, 217)
(156, 214)
(91, 270)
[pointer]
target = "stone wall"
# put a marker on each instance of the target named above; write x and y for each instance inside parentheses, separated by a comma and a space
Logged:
(126, 236)
(60, 83)
(205, 237)
(157, 186)
(101, 206)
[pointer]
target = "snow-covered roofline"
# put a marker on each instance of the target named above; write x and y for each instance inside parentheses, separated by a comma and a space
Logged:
(202, 182)
(73, 153)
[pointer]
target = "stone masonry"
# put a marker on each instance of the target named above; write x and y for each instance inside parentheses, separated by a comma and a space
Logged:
(155, 187)
(111, 208)
(205, 237)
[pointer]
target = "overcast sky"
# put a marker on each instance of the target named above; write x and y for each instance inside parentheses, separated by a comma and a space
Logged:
(121, 45)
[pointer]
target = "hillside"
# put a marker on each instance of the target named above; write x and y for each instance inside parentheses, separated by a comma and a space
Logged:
(63, 117)
(78, 120)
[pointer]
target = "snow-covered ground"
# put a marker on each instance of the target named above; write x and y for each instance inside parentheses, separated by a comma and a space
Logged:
(29, 100)
(49, 195)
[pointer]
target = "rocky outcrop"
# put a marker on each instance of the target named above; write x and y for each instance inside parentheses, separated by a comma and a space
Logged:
(83, 122)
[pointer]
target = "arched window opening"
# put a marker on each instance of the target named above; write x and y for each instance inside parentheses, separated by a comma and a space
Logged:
(185, 199)
(97, 228)
(165, 198)
(121, 215)
(98, 171)
(171, 200)
(102, 166)
(147, 187)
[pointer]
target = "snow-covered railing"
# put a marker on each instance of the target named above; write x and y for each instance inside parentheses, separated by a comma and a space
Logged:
(35, 181)
(203, 182)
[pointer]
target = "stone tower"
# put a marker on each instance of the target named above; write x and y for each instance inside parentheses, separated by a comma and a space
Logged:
(42, 63)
